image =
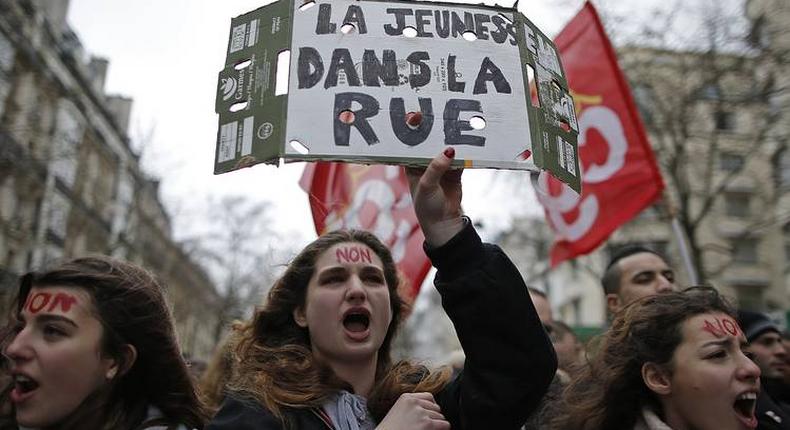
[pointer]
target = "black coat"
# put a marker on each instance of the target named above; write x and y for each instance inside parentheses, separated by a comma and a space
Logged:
(510, 361)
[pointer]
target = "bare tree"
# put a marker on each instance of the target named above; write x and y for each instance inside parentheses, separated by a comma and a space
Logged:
(243, 255)
(706, 101)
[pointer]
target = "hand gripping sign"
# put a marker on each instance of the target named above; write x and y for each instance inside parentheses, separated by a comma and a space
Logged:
(356, 68)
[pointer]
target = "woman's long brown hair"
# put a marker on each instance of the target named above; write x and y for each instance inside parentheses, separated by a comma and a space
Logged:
(609, 393)
(275, 363)
(129, 303)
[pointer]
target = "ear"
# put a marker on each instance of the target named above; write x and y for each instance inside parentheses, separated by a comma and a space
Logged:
(119, 366)
(613, 303)
(299, 317)
(657, 379)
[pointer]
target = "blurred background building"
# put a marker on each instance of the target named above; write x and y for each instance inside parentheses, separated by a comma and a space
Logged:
(716, 113)
(70, 183)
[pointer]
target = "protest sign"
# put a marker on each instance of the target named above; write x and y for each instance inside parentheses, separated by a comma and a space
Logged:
(357, 68)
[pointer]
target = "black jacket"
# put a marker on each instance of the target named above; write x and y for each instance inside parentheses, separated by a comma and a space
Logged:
(510, 361)
(770, 414)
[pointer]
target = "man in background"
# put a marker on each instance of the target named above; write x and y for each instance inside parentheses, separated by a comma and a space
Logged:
(633, 272)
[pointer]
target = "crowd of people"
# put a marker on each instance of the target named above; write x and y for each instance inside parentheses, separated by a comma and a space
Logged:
(91, 344)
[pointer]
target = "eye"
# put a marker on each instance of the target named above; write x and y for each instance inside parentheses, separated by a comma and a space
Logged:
(373, 278)
(670, 276)
(53, 332)
(332, 279)
(749, 355)
(643, 278)
(718, 354)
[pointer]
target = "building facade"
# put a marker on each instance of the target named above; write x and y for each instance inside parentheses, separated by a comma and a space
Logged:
(718, 124)
(70, 183)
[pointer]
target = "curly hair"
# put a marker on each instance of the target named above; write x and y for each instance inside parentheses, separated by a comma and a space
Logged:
(609, 393)
(129, 303)
(275, 363)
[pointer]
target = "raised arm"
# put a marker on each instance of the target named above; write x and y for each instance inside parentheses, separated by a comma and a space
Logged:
(510, 361)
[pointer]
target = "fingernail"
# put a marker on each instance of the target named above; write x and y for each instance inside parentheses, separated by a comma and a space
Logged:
(449, 152)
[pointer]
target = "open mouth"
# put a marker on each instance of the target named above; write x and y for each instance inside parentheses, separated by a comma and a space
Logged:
(23, 388)
(744, 407)
(356, 321)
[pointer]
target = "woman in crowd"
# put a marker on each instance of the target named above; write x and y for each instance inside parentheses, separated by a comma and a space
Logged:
(317, 355)
(671, 361)
(91, 345)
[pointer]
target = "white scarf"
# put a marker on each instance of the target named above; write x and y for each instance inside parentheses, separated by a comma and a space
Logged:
(349, 412)
(650, 421)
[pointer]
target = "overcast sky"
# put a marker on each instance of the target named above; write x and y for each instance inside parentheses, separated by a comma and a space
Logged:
(166, 55)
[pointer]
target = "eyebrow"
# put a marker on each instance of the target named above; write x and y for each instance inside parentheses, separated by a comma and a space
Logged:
(721, 342)
(55, 318)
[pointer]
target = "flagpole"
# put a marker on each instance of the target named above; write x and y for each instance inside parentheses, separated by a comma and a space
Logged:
(680, 238)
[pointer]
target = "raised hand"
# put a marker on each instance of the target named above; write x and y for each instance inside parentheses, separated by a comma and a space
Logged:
(414, 411)
(436, 193)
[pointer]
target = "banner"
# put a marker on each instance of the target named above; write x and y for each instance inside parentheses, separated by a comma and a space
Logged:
(374, 198)
(619, 173)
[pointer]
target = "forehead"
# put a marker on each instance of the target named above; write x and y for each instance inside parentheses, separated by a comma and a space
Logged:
(642, 261)
(57, 300)
(711, 326)
(348, 253)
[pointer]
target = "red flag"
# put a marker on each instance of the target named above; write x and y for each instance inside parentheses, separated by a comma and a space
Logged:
(619, 173)
(374, 198)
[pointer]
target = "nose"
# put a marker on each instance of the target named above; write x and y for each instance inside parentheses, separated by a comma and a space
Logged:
(19, 348)
(355, 292)
(747, 369)
(663, 286)
(779, 350)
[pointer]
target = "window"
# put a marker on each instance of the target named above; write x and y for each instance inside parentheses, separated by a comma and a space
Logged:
(710, 92)
(725, 121)
(744, 251)
(730, 162)
(782, 168)
(750, 297)
(737, 204)
(643, 95)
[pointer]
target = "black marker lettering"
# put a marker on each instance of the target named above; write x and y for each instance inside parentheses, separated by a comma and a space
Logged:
(311, 67)
(452, 84)
(341, 59)
(400, 21)
(325, 25)
(370, 108)
(460, 27)
(490, 72)
(442, 19)
(406, 134)
(453, 127)
(480, 28)
(373, 69)
(354, 15)
(424, 77)
(421, 15)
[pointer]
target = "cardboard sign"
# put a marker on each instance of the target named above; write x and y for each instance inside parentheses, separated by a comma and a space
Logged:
(357, 68)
